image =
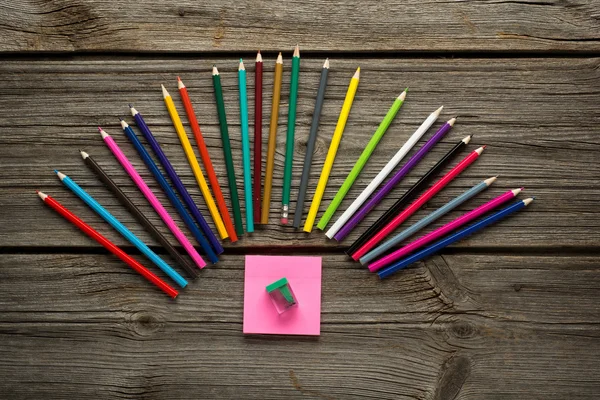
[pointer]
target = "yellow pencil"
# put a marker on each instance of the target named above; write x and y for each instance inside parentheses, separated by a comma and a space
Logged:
(193, 161)
(335, 142)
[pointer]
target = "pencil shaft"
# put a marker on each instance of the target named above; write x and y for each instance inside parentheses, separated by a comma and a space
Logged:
(408, 196)
(195, 166)
(139, 216)
(440, 232)
(341, 229)
(246, 150)
(358, 166)
(310, 147)
(122, 229)
(208, 166)
(107, 244)
(289, 144)
(272, 145)
(388, 168)
(451, 239)
(258, 97)
(330, 158)
(177, 182)
(231, 180)
(414, 206)
(187, 219)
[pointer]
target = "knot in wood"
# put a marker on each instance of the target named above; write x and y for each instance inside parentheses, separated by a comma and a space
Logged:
(144, 323)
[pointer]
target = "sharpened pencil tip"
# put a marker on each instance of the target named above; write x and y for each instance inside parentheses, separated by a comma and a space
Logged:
(41, 194)
(516, 191)
(180, 84)
(99, 129)
(326, 63)
(529, 200)
(279, 59)
(452, 121)
(133, 111)
(489, 181)
(258, 57)
(356, 74)
(297, 51)
(467, 139)
(84, 155)
(439, 110)
(124, 124)
(402, 96)
(241, 66)
(164, 91)
(102, 133)
(480, 150)
(215, 71)
(61, 176)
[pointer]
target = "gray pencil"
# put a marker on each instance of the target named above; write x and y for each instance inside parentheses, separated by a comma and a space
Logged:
(310, 145)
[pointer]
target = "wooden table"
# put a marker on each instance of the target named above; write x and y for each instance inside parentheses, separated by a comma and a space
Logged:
(511, 313)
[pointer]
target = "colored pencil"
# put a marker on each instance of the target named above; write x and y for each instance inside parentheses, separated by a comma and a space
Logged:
(454, 238)
(444, 230)
(137, 213)
(387, 169)
(410, 194)
(206, 161)
(176, 180)
(258, 97)
(246, 147)
(310, 145)
(341, 228)
(233, 191)
(107, 244)
(359, 165)
(122, 229)
(193, 162)
(289, 144)
(154, 202)
(414, 206)
(266, 203)
(158, 176)
(428, 219)
(333, 147)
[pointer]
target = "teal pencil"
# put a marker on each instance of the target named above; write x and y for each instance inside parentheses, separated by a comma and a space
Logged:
(246, 147)
(289, 144)
(115, 223)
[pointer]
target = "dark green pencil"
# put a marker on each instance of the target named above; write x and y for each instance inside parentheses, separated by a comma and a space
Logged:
(235, 200)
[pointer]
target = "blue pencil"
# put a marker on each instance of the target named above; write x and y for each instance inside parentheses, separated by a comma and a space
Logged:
(189, 222)
(434, 248)
(179, 186)
(411, 230)
(245, 147)
(115, 223)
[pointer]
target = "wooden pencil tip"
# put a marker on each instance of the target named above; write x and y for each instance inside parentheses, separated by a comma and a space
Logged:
(438, 111)
(84, 155)
(104, 134)
(326, 64)
(529, 200)
(467, 139)
(357, 73)
(517, 191)
(124, 124)
(279, 59)
(491, 180)
(164, 91)
(480, 150)
(258, 57)
(402, 96)
(133, 111)
(241, 67)
(297, 51)
(41, 194)
(180, 84)
(215, 71)
(61, 176)
(452, 121)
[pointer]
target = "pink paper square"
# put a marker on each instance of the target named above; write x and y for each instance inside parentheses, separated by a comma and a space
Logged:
(304, 276)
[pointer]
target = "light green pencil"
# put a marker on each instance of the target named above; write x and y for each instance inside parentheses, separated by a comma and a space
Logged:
(362, 160)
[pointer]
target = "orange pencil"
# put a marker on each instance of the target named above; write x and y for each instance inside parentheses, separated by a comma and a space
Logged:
(210, 171)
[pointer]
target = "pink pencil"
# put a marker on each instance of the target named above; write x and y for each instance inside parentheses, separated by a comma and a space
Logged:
(154, 202)
(441, 231)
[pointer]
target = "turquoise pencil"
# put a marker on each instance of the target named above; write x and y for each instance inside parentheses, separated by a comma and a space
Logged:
(245, 147)
(127, 234)
(428, 219)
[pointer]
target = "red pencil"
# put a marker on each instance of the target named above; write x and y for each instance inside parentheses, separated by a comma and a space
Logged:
(411, 209)
(256, 186)
(210, 171)
(88, 230)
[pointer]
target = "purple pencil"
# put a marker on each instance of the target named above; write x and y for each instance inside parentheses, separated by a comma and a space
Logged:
(387, 188)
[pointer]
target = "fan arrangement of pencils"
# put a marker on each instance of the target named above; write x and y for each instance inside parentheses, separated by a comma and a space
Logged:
(374, 248)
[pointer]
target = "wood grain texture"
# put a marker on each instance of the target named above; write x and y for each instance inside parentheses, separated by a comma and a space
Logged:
(538, 118)
(273, 25)
(458, 326)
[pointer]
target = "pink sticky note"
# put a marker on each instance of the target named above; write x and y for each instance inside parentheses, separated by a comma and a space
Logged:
(303, 275)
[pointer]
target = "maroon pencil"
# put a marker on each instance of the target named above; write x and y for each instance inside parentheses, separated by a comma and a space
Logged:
(258, 83)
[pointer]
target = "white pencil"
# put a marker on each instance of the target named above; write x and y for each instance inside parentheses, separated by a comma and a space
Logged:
(385, 171)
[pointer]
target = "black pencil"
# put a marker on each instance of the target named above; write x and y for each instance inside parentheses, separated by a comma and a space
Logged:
(409, 195)
(137, 213)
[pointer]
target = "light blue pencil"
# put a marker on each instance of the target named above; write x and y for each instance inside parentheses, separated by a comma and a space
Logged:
(115, 223)
(411, 230)
(246, 147)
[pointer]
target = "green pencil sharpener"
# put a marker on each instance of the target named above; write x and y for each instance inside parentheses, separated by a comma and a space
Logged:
(282, 295)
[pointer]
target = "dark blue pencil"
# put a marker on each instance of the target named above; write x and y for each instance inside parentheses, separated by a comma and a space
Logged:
(187, 199)
(189, 222)
(434, 248)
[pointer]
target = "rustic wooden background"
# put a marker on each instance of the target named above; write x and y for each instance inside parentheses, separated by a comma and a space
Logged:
(511, 313)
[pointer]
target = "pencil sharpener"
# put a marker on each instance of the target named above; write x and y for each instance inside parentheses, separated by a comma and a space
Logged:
(282, 296)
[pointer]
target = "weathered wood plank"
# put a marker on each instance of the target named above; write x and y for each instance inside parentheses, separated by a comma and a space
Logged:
(470, 326)
(539, 120)
(86, 25)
